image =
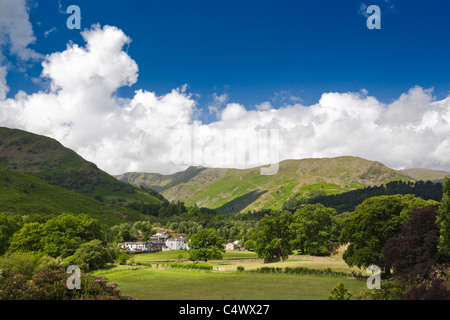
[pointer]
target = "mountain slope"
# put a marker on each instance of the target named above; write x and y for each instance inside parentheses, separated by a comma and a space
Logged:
(426, 174)
(159, 182)
(27, 194)
(236, 190)
(48, 159)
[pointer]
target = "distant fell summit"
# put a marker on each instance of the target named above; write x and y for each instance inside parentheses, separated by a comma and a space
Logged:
(48, 159)
(235, 190)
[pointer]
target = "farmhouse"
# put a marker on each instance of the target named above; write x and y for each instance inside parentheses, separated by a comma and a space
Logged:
(141, 246)
(234, 246)
(161, 241)
(161, 237)
(176, 244)
(134, 246)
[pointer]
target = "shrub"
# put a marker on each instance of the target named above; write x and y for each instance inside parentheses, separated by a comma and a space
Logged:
(50, 283)
(123, 258)
(15, 287)
(131, 261)
(240, 268)
(339, 292)
(195, 266)
(25, 263)
(148, 264)
(434, 289)
(92, 255)
(269, 270)
(390, 290)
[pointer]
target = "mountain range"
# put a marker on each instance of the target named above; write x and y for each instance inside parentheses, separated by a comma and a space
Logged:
(59, 173)
(426, 174)
(237, 190)
(38, 175)
(28, 195)
(46, 158)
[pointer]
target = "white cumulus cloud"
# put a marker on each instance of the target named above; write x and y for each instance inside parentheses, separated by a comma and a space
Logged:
(16, 34)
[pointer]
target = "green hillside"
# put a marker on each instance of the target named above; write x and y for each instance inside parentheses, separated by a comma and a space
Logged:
(235, 190)
(159, 182)
(48, 159)
(27, 194)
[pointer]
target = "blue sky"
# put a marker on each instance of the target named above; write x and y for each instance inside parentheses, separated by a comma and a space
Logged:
(125, 90)
(263, 50)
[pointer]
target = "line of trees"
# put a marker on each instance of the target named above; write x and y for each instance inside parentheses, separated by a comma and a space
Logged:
(75, 239)
(347, 201)
(313, 229)
(403, 233)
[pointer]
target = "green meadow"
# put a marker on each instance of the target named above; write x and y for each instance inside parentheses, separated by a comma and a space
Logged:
(174, 255)
(168, 284)
(159, 282)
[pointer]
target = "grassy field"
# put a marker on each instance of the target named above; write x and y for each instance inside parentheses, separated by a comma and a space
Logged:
(230, 265)
(166, 284)
(248, 259)
(157, 283)
(183, 255)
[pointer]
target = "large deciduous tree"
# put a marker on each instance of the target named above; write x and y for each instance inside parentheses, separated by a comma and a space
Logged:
(9, 224)
(273, 236)
(28, 238)
(413, 252)
(205, 244)
(64, 234)
(314, 227)
(92, 255)
(443, 221)
(374, 222)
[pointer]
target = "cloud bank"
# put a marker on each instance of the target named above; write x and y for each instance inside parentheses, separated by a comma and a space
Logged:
(16, 33)
(82, 111)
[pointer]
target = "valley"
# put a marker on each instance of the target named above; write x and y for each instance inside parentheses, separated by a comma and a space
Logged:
(294, 230)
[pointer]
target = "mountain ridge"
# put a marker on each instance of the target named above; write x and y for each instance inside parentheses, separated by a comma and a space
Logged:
(27, 195)
(219, 188)
(48, 159)
(426, 174)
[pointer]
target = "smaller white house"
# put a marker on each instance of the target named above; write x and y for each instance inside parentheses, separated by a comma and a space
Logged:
(231, 246)
(234, 246)
(134, 246)
(176, 244)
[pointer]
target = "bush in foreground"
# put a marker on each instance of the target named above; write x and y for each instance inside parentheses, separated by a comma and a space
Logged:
(340, 293)
(401, 289)
(50, 283)
(25, 263)
(92, 255)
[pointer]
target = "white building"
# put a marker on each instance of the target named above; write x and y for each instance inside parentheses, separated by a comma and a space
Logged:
(134, 246)
(176, 244)
(161, 241)
(231, 246)
(234, 246)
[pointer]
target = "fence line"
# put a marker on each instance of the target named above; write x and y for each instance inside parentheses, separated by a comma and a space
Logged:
(303, 272)
(263, 270)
